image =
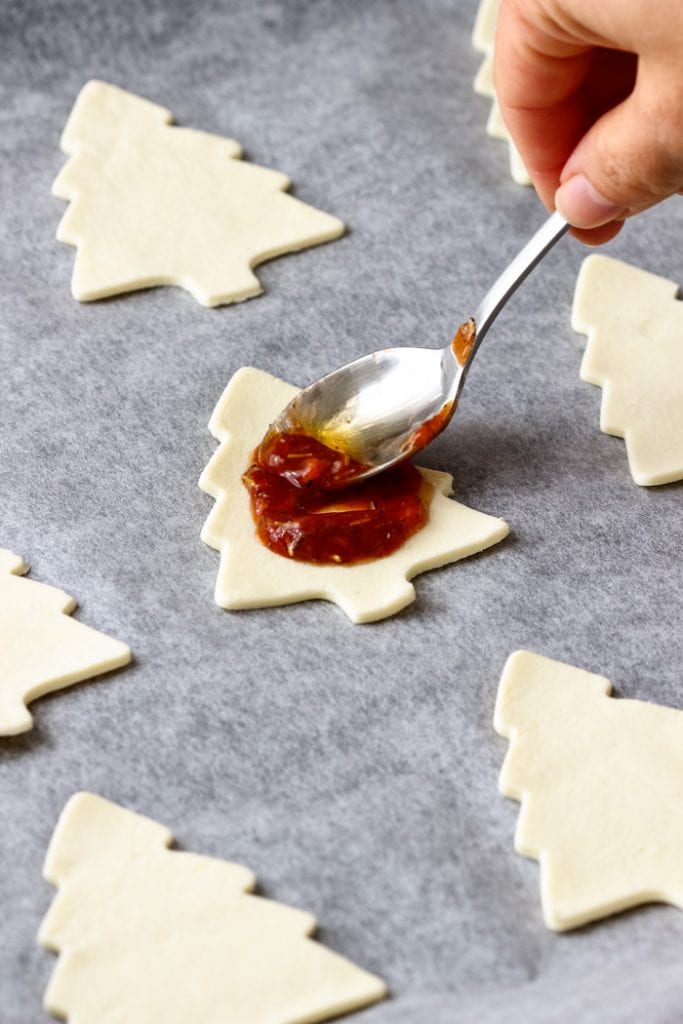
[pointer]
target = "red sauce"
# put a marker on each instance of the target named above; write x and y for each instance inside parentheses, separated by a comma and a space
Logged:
(428, 430)
(300, 516)
(464, 339)
(462, 345)
(306, 462)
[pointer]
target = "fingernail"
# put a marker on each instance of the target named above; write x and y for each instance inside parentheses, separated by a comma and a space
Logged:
(582, 205)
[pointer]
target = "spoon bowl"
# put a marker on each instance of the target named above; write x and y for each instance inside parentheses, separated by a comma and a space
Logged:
(371, 408)
(384, 407)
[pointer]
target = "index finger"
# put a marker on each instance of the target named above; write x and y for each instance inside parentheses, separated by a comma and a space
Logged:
(539, 81)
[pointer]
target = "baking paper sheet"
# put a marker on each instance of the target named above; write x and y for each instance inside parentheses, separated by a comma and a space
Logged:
(353, 768)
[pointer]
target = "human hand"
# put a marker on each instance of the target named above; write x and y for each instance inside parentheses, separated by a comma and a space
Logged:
(592, 94)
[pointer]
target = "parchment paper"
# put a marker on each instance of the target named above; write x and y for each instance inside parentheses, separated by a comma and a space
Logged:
(353, 768)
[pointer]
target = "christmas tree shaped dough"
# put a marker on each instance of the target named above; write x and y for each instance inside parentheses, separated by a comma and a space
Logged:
(600, 782)
(41, 648)
(153, 204)
(251, 576)
(634, 324)
(483, 39)
(148, 935)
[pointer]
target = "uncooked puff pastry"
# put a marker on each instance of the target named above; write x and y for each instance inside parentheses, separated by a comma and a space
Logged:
(483, 38)
(41, 648)
(600, 782)
(153, 204)
(148, 935)
(252, 576)
(634, 324)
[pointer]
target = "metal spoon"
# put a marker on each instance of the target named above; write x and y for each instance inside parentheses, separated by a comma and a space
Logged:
(388, 405)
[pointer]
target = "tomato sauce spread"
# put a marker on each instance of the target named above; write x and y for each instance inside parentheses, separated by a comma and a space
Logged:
(306, 505)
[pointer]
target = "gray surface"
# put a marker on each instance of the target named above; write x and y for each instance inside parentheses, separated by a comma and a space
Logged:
(353, 768)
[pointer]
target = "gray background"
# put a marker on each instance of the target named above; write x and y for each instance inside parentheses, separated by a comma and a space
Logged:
(353, 768)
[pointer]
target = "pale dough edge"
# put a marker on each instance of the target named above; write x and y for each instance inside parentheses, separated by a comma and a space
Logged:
(97, 91)
(118, 654)
(593, 291)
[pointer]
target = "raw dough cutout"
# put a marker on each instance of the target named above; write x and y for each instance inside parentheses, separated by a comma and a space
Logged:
(634, 324)
(483, 38)
(153, 204)
(41, 648)
(251, 576)
(148, 935)
(601, 787)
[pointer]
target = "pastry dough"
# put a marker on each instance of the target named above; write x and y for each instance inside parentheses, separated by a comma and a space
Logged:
(484, 31)
(252, 576)
(153, 204)
(483, 38)
(634, 324)
(601, 787)
(148, 935)
(41, 648)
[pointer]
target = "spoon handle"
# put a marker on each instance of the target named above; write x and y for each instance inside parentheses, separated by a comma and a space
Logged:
(522, 265)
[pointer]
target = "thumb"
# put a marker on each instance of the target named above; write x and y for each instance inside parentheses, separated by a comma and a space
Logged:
(630, 159)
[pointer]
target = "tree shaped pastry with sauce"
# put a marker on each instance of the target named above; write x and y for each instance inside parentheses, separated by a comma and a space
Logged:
(253, 576)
